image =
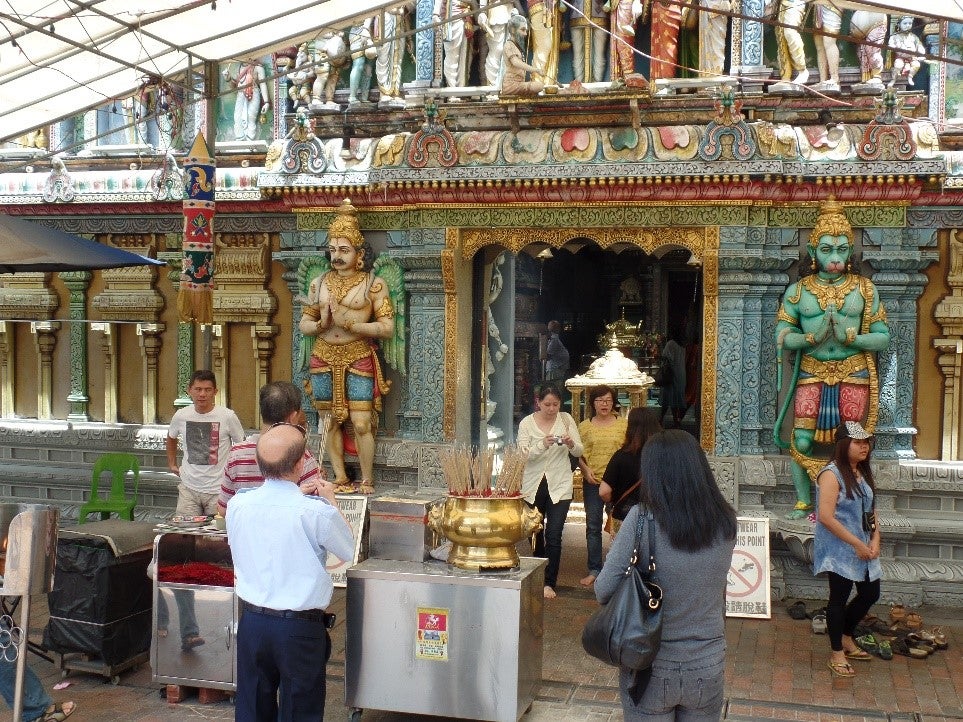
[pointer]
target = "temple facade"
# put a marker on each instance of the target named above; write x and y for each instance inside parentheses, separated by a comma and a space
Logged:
(686, 206)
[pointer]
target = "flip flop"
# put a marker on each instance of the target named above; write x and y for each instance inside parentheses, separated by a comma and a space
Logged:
(841, 669)
(858, 654)
(57, 713)
(885, 650)
(896, 614)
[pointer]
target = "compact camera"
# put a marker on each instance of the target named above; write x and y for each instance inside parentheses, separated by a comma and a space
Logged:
(558, 441)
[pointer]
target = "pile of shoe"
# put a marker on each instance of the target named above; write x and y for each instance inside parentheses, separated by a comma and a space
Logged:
(904, 635)
(797, 610)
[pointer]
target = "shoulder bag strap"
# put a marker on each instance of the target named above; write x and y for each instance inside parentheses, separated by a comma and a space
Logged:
(647, 542)
(627, 492)
(639, 529)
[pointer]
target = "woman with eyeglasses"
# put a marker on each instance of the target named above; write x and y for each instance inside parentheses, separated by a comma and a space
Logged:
(602, 434)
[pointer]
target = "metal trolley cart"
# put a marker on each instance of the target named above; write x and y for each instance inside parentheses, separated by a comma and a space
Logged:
(194, 623)
(100, 606)
(423, 638)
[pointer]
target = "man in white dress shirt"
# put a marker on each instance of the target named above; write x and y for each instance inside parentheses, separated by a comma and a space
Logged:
(279, 541)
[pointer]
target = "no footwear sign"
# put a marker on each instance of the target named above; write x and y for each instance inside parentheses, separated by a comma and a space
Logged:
(747, 584)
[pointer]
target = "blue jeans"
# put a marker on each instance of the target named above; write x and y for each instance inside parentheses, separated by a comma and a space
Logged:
(593, 526)
(679, 691)
(548, 542)
(35, 698)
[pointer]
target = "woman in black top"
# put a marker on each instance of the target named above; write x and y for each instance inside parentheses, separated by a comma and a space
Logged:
(622, 472)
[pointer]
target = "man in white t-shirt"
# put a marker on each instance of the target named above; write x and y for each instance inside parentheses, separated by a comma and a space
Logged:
(207, 433)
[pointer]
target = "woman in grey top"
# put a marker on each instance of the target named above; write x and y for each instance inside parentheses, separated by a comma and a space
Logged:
(695, 534)
(846, 543)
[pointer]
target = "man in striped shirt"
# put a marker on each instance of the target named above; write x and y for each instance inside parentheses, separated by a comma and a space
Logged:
(280, 403)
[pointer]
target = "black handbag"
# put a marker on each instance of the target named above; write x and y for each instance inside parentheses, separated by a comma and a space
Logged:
(626, 631)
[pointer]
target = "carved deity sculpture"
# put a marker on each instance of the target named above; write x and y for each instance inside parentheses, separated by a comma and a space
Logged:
(363, 52)
(828, 18)
(908, 51)
(587, 26)
(666, 24)
(545, 26)
(792, 54)
(712, 36)
(514, 67)
(456, 32)
(390, 33)
(868, 29)
(834, 322)
(329, 59)
(493, 20)
(252, 101)
(348, 308)
(625, 13)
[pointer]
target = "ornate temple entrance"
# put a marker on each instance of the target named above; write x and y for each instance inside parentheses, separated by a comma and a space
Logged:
(651, 282)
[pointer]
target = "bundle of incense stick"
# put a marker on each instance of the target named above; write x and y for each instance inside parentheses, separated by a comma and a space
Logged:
(509, 481)
(468, 472)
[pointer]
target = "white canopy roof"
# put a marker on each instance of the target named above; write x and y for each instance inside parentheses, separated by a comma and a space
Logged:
(59, 58)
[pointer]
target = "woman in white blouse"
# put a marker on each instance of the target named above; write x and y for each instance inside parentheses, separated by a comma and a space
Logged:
(550, 436)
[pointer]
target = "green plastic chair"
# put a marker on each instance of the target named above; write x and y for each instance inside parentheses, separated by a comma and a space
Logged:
(117, 502)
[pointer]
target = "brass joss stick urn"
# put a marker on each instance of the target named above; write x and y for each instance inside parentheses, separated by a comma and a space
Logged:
(483, 531)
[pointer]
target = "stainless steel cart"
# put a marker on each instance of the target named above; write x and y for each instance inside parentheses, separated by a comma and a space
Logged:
(207, 612)
(423, 638)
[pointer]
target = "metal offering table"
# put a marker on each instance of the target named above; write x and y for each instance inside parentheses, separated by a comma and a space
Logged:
(424, 638)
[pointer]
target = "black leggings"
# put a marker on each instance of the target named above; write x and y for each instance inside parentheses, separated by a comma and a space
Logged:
(842, 618)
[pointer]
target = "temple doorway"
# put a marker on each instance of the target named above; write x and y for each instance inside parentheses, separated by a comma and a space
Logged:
(588, 290)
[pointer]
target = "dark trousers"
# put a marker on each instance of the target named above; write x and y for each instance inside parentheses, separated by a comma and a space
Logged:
(842, 618)
(548, 542)
(290, 655)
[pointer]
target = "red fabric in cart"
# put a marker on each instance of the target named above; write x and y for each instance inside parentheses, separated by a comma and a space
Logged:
(196, 573)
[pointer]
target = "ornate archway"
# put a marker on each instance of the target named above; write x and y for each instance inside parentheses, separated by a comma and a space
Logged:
(702, 242)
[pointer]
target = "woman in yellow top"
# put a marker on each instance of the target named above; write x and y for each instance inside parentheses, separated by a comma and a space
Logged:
(602, 434)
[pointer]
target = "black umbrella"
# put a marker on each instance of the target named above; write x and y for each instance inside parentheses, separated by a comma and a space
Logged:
(29, 246)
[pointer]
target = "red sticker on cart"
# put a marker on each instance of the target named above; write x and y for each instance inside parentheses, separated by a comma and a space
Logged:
(432, 642)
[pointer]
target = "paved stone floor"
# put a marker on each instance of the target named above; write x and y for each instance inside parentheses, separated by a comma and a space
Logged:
(775, 670)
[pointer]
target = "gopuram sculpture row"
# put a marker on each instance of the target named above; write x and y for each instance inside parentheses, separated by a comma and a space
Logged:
(507, 53)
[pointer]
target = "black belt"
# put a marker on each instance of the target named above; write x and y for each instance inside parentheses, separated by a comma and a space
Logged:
(310, 615)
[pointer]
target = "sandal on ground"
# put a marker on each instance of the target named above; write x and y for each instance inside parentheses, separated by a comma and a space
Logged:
(841, 669)
(938, 638)
(58, 712)
(913, 639)
(366, 488)
(192, 641)
(896, 614)
(345, 487)
(797, 610)
(900, 647)
(885, 650)
(913, 620)
(819, 623)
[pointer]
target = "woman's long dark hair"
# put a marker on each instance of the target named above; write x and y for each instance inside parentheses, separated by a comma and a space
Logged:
(680, 489)
(841, 459)
(642, 423)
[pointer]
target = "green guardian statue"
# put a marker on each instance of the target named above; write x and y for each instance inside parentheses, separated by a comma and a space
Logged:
(834, 323)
